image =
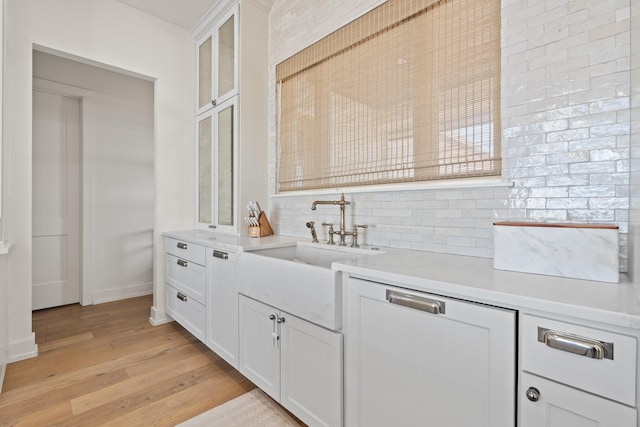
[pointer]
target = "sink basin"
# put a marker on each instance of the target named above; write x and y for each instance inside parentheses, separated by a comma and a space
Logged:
(319, 255)
(298, 279)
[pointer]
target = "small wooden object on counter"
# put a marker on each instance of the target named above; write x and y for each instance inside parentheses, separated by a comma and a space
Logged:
(262, 230)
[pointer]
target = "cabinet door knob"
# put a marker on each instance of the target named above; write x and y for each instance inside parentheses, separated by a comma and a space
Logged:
(280, 320)
(272, 317)
(533, 394)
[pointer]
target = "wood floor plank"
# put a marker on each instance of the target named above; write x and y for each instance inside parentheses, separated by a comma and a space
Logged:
(135, 384)
(53, 416)
(80, 355)
(43, 402)
(187, 403)
(51, 345)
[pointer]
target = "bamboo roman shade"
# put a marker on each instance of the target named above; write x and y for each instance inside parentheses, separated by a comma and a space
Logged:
(407, 92)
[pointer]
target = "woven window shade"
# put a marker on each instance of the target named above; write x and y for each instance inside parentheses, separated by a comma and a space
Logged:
(407, 92)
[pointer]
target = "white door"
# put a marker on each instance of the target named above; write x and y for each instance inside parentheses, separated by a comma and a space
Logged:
(56, 200)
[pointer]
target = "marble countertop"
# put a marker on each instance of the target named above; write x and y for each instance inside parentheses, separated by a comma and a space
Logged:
(475, 279)
(231, 241)
(467, 277)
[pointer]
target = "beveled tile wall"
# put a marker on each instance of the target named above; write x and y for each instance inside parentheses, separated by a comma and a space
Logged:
(566, 130)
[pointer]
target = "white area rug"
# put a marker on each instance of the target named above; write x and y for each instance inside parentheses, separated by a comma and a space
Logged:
(252, 409)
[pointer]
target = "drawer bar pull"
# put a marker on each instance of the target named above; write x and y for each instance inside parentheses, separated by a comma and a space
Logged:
(221, 255)
(418, 303)
(575, 344)
(182, 263)
(181, 297)
(182, 245)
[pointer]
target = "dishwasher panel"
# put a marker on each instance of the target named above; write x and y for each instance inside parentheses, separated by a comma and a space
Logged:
(416, 359)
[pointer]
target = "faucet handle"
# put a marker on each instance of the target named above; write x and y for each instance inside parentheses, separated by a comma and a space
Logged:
(330, 225)
(355, 244)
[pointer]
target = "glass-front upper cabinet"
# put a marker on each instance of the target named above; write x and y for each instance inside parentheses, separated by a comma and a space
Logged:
(217, 167)
(217, 58)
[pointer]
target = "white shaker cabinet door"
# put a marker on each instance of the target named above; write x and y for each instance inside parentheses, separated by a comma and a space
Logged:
(260, 345)
(311, 363)
(222, 304)
(409, 367)
(550, 404)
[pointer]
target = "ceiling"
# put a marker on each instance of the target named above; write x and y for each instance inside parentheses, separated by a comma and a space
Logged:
(183, 13)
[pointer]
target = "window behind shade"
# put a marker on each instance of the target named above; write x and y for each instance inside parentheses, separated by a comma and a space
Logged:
(408, 92)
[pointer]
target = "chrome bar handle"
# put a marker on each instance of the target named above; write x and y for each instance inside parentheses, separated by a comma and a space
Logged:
(220, 254)
(181, 297)
(182, 245)
(419, 303)
(182, 263)
(275, 336)
(575, 344)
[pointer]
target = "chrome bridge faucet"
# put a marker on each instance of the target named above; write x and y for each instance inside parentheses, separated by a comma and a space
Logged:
(342, 232)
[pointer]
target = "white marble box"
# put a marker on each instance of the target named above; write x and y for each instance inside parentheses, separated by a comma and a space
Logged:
(581, 251)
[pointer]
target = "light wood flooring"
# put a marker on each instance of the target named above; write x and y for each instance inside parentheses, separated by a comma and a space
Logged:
(107, 365)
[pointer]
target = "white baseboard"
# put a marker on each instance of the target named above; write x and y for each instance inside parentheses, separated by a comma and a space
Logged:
(116, 294)
(3, 370)
(24, 349)
(159, 316)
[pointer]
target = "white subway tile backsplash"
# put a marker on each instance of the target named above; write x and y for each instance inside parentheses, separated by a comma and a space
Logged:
(565, 130)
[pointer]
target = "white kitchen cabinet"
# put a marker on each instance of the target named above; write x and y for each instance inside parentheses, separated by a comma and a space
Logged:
(231, 113)
(573, 375)
(217, 167)
(217, 60)
(551, 404)
(222, 304)
(185, 285)
(297, 363)
(259, 345)
(418, 359)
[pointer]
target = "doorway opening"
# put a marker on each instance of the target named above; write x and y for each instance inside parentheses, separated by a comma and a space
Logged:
(114, 212)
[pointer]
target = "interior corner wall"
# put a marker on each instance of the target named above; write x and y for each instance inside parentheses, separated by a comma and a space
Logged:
(110, 33)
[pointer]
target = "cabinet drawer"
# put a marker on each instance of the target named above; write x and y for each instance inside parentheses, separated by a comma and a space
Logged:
(185, 250)
(555, 350)
(186, 276)
(186, 311)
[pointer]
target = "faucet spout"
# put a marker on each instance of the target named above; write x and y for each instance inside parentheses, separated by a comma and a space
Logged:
(342, 203)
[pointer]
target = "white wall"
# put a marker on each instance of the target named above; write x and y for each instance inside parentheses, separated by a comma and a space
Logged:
(565, 118)
(119, 170)
(107, 32)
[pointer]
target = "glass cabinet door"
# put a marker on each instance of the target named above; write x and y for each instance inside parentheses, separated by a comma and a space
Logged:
(217, 159)
(205, 74)
(217, 62)
(226, 58)
(225, 138)
(205, 170)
